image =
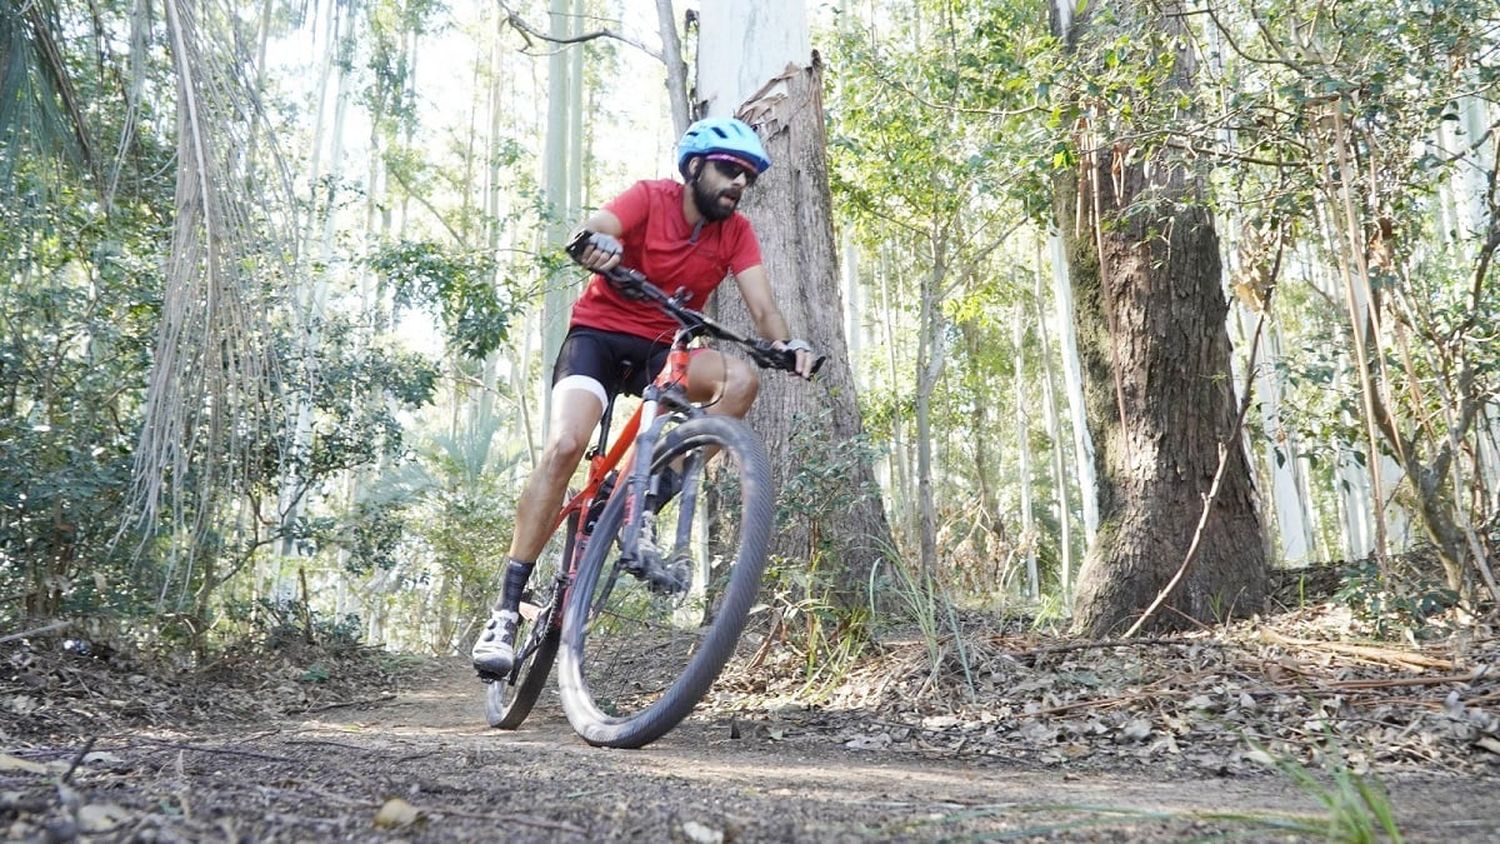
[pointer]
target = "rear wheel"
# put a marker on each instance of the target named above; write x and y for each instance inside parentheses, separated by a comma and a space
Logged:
(507, 702)
(644, 639)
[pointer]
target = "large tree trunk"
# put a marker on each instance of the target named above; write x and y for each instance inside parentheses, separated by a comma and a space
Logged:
(1150, 315)
(1157, 380)
(558, 297)
(790, 207)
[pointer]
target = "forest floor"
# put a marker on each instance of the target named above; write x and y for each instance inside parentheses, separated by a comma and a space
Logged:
(1267, 730)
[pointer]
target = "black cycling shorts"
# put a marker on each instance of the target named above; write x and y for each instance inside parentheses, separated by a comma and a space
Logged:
(619, 362)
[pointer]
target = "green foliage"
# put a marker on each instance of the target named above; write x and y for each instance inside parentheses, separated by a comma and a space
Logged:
(819, 490)
(921, 600)
(79, 293)
(278, 624)
(918, 132)
(828, 635)
(1395, 606)
(355, 389)
(457, 288)
(1358, 809)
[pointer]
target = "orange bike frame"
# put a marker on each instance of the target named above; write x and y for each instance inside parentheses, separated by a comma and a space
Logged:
(674, 373)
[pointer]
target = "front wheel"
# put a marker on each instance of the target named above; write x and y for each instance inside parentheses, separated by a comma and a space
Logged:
(644, 637)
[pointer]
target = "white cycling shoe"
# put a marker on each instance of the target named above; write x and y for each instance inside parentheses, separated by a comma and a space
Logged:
(494, 652)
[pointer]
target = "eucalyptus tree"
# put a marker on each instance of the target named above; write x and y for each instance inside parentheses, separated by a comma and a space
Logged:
(205, 420)
(755, 61)
(1180, 529)
(80, 231)
(1349, 121)
(922, 147)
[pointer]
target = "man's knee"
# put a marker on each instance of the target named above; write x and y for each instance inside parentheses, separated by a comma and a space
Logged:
(741, 385)
(564, 451)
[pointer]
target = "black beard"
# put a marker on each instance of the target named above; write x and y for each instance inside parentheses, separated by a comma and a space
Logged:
(708, 203)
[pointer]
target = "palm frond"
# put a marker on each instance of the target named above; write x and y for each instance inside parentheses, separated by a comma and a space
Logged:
(40, 113)
(209, 415)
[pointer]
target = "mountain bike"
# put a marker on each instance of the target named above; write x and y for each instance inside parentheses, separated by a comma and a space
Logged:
(654, 564)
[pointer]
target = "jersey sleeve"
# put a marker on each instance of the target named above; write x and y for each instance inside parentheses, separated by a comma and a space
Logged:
(631, 207)
(744, 246)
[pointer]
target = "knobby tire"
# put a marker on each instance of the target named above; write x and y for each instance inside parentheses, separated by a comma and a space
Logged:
(711, 642)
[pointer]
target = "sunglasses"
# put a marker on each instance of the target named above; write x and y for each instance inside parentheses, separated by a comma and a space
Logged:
(732, 171)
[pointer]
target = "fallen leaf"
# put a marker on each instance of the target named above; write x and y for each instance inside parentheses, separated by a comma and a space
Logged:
(396, 813)
(1261, 756)
(15, 763)
(879, 741)
(1076, 750)
(701, 834)
(98, 818)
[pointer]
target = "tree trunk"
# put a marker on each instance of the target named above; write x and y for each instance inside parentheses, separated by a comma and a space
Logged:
(1054, 433)
(791, 209)
(897, 459)
(671, 56)
(558, 298)
(931, 355)
(1023, 451)
(1150, 316)
(1283, 461)
(1084, 458)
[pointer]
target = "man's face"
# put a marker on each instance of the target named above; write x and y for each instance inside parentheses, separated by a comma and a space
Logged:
(719, 185)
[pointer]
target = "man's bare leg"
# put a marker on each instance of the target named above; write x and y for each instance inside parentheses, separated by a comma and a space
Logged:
(575, 412)
(574, 415)
(728, 387)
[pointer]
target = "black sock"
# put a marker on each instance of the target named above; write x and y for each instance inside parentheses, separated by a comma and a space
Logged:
(516, 575)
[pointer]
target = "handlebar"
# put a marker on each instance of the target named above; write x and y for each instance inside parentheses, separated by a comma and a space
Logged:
(763, 352)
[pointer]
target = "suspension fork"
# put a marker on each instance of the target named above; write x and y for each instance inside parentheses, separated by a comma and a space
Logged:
(660, 404)
(639, 477)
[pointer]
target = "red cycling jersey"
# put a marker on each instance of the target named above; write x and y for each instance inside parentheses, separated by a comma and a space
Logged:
(660, 243)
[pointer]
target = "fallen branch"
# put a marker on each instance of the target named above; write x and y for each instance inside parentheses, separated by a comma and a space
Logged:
(341, 704)
(1365, 685)
(523, 820)
(56, 625)
(78, 759)
(219, 750)
(1116, 643)
(1379, 655)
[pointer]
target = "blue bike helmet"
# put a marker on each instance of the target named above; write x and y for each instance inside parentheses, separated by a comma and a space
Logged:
(722, 135)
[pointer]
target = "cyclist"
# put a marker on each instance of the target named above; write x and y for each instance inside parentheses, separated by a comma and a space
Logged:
(686, 234)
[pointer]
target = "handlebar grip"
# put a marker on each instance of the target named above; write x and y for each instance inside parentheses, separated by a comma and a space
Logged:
(630, 283)
(769, 357)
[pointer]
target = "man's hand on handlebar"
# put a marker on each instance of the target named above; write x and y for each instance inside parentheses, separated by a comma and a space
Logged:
(801, 359)
(596, 251)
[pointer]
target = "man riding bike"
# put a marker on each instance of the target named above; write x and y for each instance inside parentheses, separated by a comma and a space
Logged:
(688, 234)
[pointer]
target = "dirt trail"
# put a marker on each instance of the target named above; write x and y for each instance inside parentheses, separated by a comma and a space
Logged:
(326, 776)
